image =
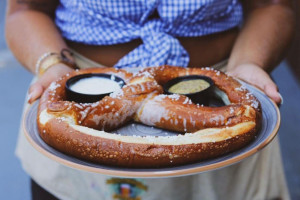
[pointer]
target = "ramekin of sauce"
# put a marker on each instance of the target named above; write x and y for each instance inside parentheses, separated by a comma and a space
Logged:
(89, 88)
(198, 88)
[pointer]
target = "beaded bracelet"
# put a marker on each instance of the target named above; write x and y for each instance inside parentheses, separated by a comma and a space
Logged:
(51, 58)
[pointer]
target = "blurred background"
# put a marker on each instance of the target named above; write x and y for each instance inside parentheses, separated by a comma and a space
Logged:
(14, 81)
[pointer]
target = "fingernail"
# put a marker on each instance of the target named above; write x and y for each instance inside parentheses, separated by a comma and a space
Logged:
(29, 97)
(281, 102)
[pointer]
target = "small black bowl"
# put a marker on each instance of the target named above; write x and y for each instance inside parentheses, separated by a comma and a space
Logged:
(89, 98)
(201, 97)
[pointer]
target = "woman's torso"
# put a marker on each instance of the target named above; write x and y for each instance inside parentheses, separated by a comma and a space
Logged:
(158, 31)
(203, 51)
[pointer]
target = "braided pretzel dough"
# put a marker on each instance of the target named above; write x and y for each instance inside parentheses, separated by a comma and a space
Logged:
(79, 129)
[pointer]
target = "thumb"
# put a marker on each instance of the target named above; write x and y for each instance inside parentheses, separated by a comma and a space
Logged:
(55, 71)
(271, 90)
(35, 91)
(264, 81)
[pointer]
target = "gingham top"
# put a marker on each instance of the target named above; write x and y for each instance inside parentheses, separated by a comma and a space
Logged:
(108, 22)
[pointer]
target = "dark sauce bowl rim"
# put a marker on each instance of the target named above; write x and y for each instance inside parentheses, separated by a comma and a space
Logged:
(70, 82)
(178, 79)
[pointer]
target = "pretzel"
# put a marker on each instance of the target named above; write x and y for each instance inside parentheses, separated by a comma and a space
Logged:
(81, 129)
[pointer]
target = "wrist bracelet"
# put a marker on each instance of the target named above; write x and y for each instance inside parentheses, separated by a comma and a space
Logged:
(51, 58)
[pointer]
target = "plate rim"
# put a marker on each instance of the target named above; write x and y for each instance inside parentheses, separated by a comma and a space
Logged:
(151, 174)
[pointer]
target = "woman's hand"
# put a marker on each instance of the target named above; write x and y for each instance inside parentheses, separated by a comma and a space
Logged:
(255, 75)
(52, 74)
(264, 37)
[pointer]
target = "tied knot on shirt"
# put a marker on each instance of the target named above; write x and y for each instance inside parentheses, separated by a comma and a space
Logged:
(158, 48)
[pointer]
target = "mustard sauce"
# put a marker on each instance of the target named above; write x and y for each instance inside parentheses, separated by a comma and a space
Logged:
(189, 86)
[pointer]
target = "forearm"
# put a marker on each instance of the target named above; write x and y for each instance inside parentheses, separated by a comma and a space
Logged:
(264, 38)
(30, 34)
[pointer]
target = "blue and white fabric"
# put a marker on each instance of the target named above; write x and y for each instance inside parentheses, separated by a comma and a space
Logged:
(108, 22)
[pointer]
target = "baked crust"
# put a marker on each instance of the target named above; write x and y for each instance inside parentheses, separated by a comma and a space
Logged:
(77, 129)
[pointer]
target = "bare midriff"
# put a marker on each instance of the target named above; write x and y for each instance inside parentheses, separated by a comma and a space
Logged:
(203, 51)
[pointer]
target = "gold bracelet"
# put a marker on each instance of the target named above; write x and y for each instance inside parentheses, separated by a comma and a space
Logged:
(51, 58)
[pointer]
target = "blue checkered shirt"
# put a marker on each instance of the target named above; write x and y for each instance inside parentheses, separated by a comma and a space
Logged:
(108, 22)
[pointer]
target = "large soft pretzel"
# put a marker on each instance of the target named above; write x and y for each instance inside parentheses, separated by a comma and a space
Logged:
(79, 129)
